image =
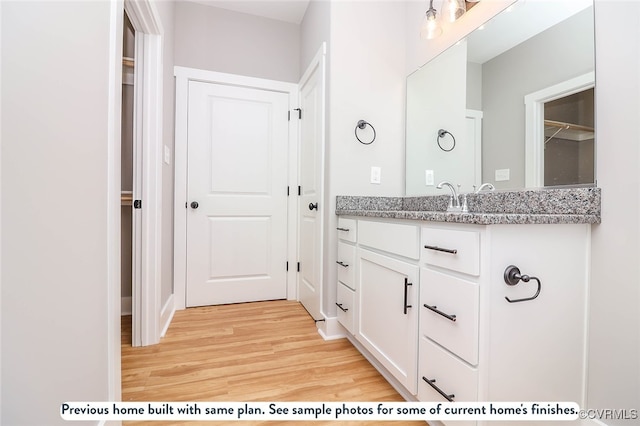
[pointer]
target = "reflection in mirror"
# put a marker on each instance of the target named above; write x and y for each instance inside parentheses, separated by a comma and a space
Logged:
(569, 136)
(476, 90)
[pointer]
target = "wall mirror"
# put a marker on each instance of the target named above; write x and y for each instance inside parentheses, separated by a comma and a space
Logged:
(512, 104)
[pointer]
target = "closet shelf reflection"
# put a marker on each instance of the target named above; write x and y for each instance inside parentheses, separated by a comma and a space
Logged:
(570, 131)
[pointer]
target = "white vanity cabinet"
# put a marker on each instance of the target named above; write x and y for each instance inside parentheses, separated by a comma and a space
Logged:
(449, 314)
(346, 264)
(475, 345)
(536, 349)
(428, 300)
(388, 296)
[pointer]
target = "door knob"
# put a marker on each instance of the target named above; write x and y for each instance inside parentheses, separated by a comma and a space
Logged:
(194, 205)
(313, 206)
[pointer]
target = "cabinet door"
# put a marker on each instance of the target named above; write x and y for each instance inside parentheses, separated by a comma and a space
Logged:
(388, 314)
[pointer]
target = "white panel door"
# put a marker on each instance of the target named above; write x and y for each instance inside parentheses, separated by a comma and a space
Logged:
(311, 176)
(237, 192)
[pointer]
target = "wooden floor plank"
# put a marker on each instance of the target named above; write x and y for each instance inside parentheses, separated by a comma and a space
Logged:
(261, 351)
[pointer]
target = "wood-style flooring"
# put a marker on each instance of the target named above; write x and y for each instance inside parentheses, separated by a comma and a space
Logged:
(261, 351)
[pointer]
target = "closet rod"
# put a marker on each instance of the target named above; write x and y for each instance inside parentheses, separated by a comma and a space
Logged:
(568, 126)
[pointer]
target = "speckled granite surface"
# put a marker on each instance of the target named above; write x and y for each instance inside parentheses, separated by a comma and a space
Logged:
(541, 206)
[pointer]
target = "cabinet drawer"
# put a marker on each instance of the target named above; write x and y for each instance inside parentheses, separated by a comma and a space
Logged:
(346, 312)
(394, 238)
(347, 229)
(452, 249)
(452, 315)
(452, 376)
(346, 264)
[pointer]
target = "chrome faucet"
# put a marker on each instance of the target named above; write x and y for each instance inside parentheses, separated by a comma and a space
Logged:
(487, 185)
(454, 201)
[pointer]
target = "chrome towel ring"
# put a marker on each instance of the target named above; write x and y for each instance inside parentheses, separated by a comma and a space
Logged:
(441, 134)
(361, 125)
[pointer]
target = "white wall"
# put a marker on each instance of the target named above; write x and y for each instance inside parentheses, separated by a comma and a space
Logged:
(216, 39)
(366, 77)
(166, 10)
(56, 279)
(614, 350)
(314, 30)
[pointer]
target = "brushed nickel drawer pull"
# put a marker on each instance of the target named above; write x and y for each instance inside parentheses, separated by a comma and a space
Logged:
(439, 312)
(444, 250)
(432, 382)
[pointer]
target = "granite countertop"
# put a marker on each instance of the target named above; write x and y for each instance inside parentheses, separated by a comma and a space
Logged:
(540, 206)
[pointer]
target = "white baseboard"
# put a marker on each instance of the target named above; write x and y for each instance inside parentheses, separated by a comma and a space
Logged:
(331, 329)
(166, 315)
(125, 306)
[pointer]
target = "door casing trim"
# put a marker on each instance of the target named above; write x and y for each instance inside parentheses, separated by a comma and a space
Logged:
(183, 76)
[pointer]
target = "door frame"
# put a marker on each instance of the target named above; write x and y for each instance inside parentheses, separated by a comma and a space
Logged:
(147, 142)
(183, 76)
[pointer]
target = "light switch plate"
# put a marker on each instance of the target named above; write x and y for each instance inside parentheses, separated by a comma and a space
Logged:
(376, 173)
(502, 175)
(429, 178)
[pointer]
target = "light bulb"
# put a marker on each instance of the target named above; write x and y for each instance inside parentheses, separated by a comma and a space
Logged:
(430, 28)
(453, 9)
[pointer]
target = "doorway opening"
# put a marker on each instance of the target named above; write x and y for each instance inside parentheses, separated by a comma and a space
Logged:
(126, 169)
(146, 172)
(569, 151)
(562, 111)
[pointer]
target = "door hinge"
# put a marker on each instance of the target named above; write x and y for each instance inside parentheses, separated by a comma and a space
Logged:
(299, 114)
(298, 266)
(137, 204)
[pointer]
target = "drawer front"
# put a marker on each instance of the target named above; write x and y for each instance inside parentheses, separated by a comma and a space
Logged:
(346, 264)
(345, 301)
(451, 249)
(452, 376)
(347, 229)
(394, 238)
(451, 314)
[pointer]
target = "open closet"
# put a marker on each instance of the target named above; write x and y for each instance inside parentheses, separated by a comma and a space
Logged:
(128, 51)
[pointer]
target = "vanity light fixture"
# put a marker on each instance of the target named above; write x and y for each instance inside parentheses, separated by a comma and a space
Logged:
(451, 11)
(430, 27)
